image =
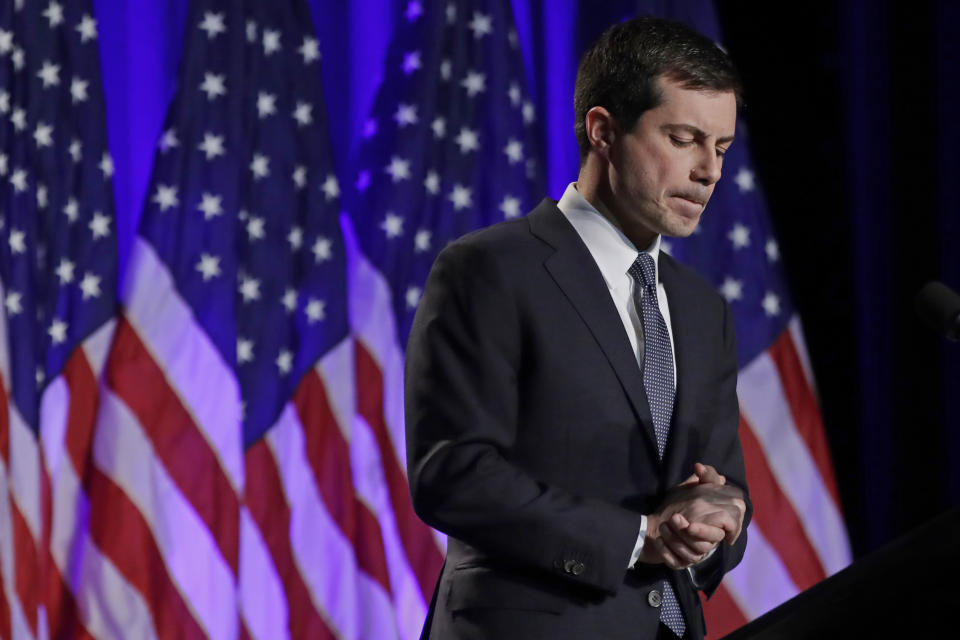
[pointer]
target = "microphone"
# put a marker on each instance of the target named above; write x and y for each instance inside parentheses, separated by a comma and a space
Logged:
(939, 306)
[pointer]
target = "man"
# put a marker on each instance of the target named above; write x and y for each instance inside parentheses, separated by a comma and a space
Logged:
(571, 389)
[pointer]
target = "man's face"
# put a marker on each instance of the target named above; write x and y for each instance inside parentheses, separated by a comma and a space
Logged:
(662, 173)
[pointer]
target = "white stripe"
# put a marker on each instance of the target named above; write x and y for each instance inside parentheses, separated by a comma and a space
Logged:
(197, 373)
(370, 483)
(25, 471)
(54, 406)
(800, 344)
(4, 355)
(124, 453)
(336, 371)
(263, 603)
(109, 607)
(97, 347)
(764, 405)
(18, 622)
(760, 582)
(351, 600)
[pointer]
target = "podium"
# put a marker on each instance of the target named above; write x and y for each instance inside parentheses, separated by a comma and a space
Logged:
(907, 589)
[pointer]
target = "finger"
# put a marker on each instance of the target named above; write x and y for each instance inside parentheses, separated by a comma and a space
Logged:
(668, 558)
(707, 474)
(724, 520)
(696, 545)
(703, 532)
(692, 480)
(677, 546)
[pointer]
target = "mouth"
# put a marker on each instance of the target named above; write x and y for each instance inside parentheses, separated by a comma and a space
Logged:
(690, 204)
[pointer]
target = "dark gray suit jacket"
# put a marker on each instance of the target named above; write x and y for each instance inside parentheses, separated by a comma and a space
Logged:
(530, 442)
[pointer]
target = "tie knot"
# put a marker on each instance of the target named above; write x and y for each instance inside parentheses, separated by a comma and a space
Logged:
(643, 270)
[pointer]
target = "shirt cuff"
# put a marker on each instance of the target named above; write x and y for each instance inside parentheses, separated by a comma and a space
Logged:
(638, 547)
(692, 570)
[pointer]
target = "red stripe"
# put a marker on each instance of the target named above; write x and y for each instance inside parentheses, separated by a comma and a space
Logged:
(268, 507)
(329, 456)
(62, 617)
(775, 516)
(804, 407)
(422, 552)
(5, 631)
(120, 532)
(722, 614)
(26, 575)
(186, 454)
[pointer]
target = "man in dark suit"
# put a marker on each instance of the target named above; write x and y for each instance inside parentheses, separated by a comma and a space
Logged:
(571, 389)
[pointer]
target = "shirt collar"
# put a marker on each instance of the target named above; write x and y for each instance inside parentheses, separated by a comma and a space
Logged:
(613, 252)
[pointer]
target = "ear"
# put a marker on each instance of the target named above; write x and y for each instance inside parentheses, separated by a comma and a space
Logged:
(601, 130)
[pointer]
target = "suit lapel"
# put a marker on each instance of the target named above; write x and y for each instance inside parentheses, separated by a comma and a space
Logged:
(575, 272)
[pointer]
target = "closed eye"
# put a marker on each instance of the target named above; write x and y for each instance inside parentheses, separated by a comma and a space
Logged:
(680, 142)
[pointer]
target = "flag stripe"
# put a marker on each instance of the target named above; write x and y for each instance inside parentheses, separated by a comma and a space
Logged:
(263, 598)
(796, 330)
(422, 552)
(135, 377)
(760, 582)
(269, 509)
(722, 613)
(803, 406)
(25, 566)
(774, 515)
(120, 531)
(329, 457)
(4, 606)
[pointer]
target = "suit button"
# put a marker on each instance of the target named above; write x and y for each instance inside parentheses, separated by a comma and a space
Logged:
(578, 568)
(568, 566)
(654, 599)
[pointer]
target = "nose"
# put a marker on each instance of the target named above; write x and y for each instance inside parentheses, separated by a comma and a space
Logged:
(708, 168)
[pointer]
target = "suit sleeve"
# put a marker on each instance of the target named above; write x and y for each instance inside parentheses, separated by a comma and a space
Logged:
(463, 359)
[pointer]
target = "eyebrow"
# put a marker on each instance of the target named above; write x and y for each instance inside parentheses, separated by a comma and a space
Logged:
(697, 132)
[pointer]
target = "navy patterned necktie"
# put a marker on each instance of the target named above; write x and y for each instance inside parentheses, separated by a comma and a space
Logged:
(658, 382)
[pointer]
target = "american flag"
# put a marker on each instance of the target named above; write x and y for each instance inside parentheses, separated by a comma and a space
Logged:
(449, 147)
(797, 536)
(58, 263)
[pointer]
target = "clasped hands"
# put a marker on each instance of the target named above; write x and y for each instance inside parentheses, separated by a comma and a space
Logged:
(696, 516)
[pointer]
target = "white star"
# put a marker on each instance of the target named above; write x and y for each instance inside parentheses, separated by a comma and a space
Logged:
(299, 176)
(212, 146)
(43, 135)
(12, 303)
(255, 229)
(411, 62)
(75, 150)
(744, 180)
(392, 225)
(445, 69)
(284, 362)
(439, 126)
(209, 266)
(510, 207)
(244, 350)
(213, 85)
(406, 114)
(3, 164)
(57, 331)
(167, 141)
(480, 25)
(739, 236)
(399, 169)
(432, 182)
(413, 297)
(211, 205)
(50, 74)
(266, 104)
(330, 187)
(260, 166)
(322, 249)
(41, 196)
(513, 39)
(6, 41)
(54, 14)
(732, 289)
(90, 285)
(771, 304)
(78, 90)
(467, 139)
(4, 102)
(514, 151)
(451, 13)
(99, 225)
(71, 210)
(474, 83)
(65, 271)
(19, 180)
(515, 95)
(213, 24)
(39, 376)
(461, 197)
(773, 250)
(271, 41)
(295, 238)
(87, 28)
(289, 300)
(251, 31)
(315, 310)
(302, 114)
(106, 165)
(19, 119)
(310, 50)
(249, 288)
(414, 10)
(421, 241)
(18, 59)
(528, 112)
(17, 241)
